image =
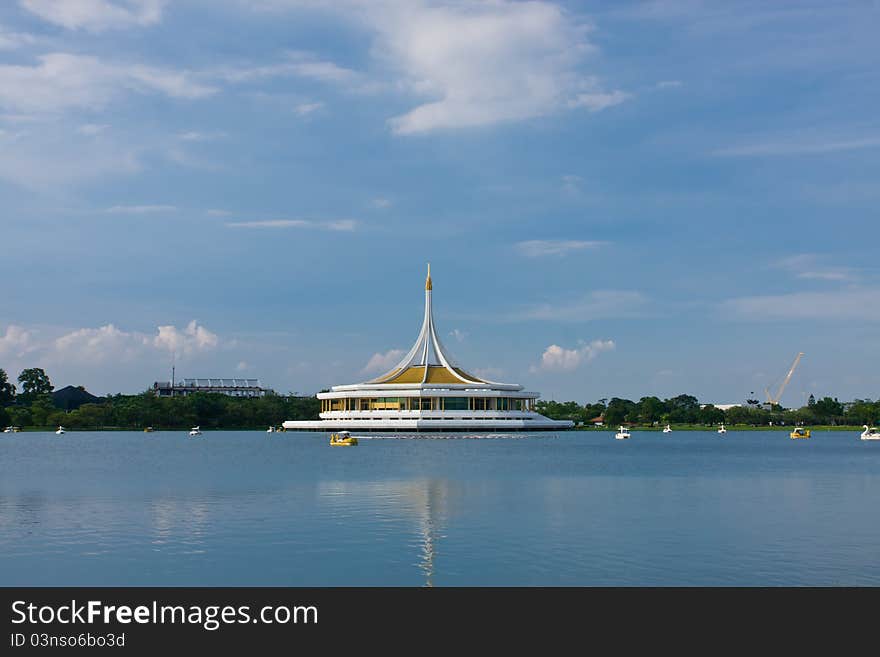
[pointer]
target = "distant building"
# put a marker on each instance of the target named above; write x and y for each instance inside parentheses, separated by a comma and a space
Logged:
(428, 391)
(231, 387)
(721, 407)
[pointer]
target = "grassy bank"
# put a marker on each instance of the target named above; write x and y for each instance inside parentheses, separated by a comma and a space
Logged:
(729, 427)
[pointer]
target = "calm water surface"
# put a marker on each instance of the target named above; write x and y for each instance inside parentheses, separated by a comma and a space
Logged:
(250, 508)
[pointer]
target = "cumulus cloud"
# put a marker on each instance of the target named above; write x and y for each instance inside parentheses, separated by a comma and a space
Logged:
(101, 344)
(15, 342)
(380, 362)
(109, 343)
(97, 15)
(486, 63)
(556, 358)
(191, 339)
(539, 248)
(474, 63)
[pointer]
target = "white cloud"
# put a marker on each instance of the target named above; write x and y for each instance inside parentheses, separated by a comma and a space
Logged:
(486, 63)
(540, 248)
(599, 100)
(111, 344)
(14, 40)
(191, 339)
(214, 212)
(602, 304)
(92, 129)
(458, 335)
(855, 303)
(242, 366)
(669, 84)
(16, 342)
(48, 158)
(380, 362)
(140, 209)
(298, 64)
(97, 15)
(194, 135)
(381, 203)
(556, 358)
(101, 344)
(809, 266)
(346, 225)
(304, 109)
(62, 81)
(800, 147)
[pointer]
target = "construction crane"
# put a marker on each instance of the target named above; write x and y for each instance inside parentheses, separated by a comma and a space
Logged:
(774, 400)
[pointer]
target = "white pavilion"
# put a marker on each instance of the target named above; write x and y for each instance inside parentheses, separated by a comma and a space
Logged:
(428, 391)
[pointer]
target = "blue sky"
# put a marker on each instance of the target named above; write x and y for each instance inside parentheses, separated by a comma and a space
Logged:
(617, 199)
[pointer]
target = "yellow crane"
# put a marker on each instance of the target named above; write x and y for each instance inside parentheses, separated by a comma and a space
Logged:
(774, 399)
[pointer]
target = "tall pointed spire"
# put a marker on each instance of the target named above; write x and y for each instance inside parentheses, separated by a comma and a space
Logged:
(428, 360)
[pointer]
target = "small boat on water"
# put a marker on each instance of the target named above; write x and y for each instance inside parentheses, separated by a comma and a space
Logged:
(60, 431)
(12, 430)
(721, 429)
(667, 429)
(622, 433)
(7, 430)
(343, 439)
(799, 432)
(870, 433)
(195, 431)
(271, 430)
(148, 429)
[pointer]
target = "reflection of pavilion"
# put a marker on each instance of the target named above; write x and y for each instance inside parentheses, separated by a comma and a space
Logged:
(428, 391)
(428, 501)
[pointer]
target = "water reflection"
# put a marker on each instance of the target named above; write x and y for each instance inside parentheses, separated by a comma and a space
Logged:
(185, 522)
(426, 504)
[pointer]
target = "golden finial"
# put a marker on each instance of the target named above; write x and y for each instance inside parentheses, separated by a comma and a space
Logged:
(428, 285)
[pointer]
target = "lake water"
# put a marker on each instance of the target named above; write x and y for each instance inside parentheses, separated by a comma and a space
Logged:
(576, 508)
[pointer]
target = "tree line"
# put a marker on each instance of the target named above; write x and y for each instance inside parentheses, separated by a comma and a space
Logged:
(687, 409)
(34, 407)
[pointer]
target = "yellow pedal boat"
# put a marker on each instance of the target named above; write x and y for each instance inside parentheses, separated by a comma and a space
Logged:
(343, 439)
(799, 432)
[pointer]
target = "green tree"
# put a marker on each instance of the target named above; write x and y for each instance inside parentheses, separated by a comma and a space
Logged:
(650, 410)
(7, 389)
(684, 408)
(34, 381)
(619, 411)
(709, 414)
(828, 409)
